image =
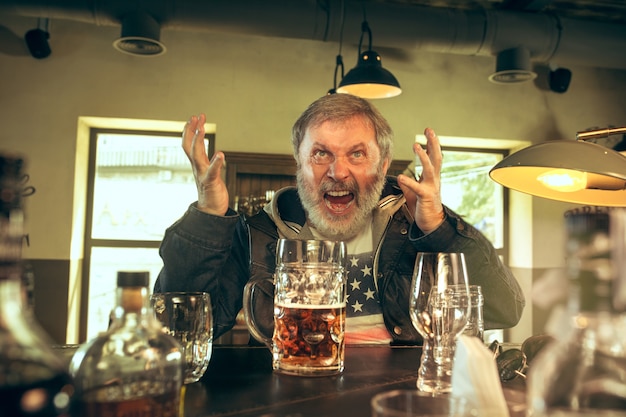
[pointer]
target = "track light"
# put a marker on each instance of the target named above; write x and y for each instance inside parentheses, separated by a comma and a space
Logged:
(37, 40)
(369, 79)
(559, 79)
(140, 35)
(513, 66)
(572, 171)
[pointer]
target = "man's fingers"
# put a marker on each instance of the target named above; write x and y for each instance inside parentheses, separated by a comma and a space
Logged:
(433, 148)
(198, 149)
(429, 171)
(430, 157)
(408, 186)
(199, 153)
(215, 166)
(189, 132)
(193, 141)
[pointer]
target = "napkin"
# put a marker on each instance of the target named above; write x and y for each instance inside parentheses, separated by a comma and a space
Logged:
(475, 377)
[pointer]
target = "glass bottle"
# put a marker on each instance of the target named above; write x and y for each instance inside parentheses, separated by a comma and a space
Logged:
(134, 368)
(584, 372)
(34, 380)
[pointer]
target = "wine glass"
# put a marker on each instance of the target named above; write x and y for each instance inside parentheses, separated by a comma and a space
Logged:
(439, 307)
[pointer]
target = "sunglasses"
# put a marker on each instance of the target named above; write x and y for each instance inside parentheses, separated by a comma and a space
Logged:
(513, 363)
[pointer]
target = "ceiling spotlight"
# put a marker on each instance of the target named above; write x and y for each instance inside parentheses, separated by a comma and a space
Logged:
(369, 79)
(37, 40)
(513, 66)
(140, 35)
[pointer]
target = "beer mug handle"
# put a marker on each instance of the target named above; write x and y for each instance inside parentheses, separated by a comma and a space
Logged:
(249, 295)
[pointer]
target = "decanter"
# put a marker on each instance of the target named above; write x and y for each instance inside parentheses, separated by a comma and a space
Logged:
(34, 380)
(134, 368)
(585, 371)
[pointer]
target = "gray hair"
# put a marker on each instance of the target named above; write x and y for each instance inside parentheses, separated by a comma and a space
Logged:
(340, 107)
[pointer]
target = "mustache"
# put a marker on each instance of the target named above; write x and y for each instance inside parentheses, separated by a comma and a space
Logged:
(331, 185)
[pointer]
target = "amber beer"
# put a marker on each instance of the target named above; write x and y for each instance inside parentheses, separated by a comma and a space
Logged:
(308, 339)
(149, 405)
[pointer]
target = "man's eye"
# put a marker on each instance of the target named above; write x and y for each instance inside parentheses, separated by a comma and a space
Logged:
(321, 156)
(358, 154)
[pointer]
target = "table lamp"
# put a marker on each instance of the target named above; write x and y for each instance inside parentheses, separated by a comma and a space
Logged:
(578, 171)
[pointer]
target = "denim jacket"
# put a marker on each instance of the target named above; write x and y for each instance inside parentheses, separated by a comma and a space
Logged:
(221, 254)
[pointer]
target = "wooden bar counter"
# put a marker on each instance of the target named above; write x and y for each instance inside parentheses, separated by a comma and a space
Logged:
(240, 382)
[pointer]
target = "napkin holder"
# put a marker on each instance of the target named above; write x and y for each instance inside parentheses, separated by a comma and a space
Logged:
(475, 377)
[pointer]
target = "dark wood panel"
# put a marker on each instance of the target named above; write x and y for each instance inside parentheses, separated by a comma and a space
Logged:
(51, 283)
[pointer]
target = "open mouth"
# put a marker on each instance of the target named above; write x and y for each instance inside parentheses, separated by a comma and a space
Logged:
(339, 201)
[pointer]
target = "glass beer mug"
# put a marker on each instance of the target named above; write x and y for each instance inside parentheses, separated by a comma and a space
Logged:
(309, 308)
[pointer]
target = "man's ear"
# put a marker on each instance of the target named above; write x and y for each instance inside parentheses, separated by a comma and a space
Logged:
(385, 166)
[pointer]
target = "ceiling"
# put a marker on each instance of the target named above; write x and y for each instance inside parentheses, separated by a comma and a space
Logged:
(555, 32)
(612, 11)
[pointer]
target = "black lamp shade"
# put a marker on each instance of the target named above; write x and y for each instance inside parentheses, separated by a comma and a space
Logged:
(369, 79)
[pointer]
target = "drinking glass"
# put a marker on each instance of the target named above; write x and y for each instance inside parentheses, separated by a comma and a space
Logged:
(309, 308)
(475, 323)
(439, 308)
(187, 316)
(412, 403)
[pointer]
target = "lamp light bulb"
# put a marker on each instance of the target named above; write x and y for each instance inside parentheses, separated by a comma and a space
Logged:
(569, 180)
(564, 180)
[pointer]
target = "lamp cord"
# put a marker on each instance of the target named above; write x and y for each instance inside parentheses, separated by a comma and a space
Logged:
(365, 27)
(339, 58)
(343, 21)
(338, 64)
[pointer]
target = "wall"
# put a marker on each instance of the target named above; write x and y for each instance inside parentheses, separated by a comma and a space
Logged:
(253, 89)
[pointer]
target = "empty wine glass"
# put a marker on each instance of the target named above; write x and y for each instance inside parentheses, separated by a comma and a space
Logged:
(439, 308)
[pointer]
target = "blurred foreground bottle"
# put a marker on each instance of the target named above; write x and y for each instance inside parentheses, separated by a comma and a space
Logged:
(134, 369)
(33, 379)
(584, 373)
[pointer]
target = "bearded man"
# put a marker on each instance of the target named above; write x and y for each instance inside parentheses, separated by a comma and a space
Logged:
(343, 147)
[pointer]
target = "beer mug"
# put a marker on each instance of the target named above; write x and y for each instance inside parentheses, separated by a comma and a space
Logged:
(309, 308)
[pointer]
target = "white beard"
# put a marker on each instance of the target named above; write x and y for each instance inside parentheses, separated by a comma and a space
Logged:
(333, 226)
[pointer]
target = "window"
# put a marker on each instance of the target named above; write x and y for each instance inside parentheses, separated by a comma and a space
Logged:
(467, 188)
(139, 184)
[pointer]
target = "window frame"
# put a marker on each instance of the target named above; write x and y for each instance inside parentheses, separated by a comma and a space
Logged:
(88, 242)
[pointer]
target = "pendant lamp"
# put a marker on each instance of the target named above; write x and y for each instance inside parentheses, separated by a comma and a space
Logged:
(369, 79)
(571, 171)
